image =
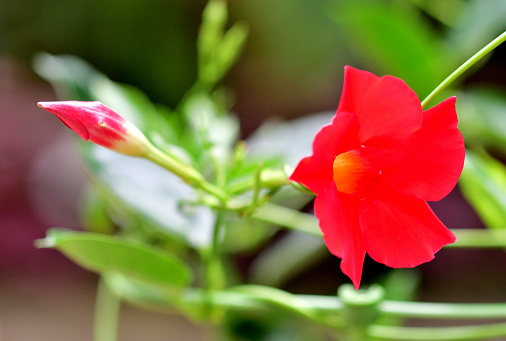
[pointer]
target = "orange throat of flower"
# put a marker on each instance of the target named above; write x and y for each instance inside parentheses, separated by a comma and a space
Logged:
(353, 174)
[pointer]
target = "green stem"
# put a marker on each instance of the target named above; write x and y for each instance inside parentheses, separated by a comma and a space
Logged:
(490, 238)
(241, 299)
(438, 334)
(286, 217)
(214, 278)
(248, 301)
(107, 308)
(328, 311)
(463, 68)
(268, 179)
(185, 172)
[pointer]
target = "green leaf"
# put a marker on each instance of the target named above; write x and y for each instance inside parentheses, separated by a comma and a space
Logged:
(214, 18)
(217, 50)
(152, 192)
(111, 254)
(225, 55)
(483, 184)
(395, 37)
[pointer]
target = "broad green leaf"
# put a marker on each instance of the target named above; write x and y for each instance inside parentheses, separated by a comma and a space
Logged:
(394, 37)
(152, 192)
(111, 254)
(483, 184)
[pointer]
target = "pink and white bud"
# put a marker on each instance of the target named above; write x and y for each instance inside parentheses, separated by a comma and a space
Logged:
(95, 122)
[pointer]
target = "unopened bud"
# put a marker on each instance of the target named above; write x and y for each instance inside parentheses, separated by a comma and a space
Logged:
(95, 122)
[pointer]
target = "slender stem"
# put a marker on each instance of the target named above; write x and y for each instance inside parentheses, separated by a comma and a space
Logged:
(257, 302)
(424, 310)
(464, 67)
(268, 178)
(328, 311)
(286, 217)
(214, 279)
(107, 309)
(490, 238)
(185, 172)
(480, 332)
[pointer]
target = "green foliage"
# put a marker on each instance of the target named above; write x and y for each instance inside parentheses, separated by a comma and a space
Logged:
(155, 211)
(217, 50)
(110, 254)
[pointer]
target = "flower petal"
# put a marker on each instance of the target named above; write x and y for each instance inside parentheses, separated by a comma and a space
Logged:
(429, 166)
(388, 111)
(338, 217)
(401, 231)
(65, 114)
(316, 171)
(96, 123)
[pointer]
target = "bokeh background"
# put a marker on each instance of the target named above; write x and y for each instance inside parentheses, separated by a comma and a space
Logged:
(292, 66)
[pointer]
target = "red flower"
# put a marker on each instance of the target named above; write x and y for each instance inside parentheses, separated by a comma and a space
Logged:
(374, 167)
(99, 124)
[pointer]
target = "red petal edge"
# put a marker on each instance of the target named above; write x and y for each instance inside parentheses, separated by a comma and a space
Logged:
(315, 171)
(431, 163)
(388, 111)
(401, 231)
(338, 217)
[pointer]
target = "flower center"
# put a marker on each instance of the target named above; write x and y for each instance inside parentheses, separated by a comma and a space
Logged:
(353, 174)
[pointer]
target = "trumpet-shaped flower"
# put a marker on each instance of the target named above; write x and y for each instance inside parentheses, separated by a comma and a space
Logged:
(374, 167)
(95, 122)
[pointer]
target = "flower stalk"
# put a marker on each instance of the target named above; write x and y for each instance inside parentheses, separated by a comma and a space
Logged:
(329, 310)
(107, 309)
(464, 67)
(292, 219)
(189, 174)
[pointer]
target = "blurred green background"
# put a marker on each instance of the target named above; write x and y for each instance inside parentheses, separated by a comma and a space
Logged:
(292, 66)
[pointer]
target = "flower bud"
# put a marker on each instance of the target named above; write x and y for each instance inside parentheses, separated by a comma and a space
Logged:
(95, 122)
